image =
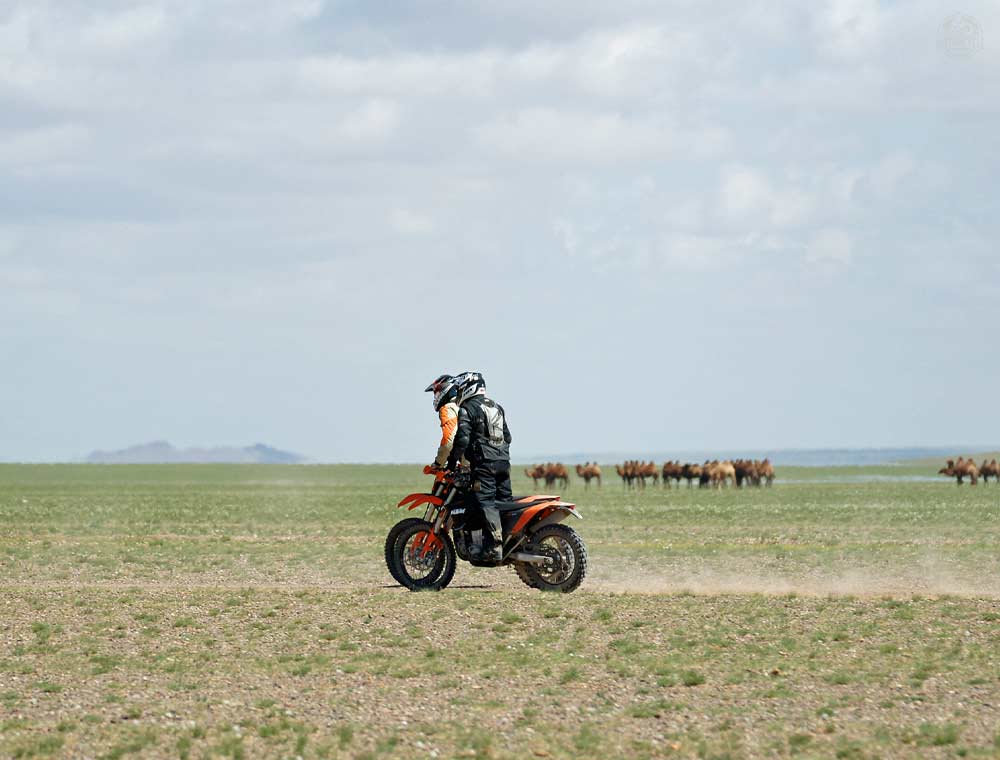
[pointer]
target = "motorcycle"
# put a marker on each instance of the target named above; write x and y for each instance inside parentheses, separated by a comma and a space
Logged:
(422, 552)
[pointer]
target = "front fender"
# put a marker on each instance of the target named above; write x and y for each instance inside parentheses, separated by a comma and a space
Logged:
(415, 500)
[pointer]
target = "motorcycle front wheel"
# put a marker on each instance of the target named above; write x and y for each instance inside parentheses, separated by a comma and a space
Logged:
(390, 545)
(421, 560)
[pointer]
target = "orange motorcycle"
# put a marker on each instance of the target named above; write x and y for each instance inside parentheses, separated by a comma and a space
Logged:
(422, 552)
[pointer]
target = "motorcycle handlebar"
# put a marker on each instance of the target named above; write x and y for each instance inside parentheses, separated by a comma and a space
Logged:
(430, 469)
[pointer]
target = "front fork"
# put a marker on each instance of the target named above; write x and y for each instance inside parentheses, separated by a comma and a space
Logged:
(437, 516)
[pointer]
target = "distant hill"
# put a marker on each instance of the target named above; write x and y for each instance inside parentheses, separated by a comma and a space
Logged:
(162, 452)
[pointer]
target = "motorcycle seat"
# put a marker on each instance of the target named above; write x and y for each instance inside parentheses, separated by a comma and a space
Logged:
(522, 502)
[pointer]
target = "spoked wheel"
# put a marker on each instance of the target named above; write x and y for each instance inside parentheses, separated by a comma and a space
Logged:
(422, 560)
(390, 545)
(567, 564)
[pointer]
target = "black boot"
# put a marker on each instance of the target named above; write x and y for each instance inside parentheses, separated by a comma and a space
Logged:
(484, 547)
(492, 550)
(493, 535)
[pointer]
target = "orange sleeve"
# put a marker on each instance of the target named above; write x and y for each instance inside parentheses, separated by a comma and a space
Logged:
(449, 425)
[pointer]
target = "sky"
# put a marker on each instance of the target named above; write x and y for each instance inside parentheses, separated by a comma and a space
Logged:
(652, 225)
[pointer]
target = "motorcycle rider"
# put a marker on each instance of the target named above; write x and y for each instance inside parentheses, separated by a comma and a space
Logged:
(484, 438)
(445, 390)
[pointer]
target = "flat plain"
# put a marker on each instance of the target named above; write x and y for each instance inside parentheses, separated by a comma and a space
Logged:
(244, 611)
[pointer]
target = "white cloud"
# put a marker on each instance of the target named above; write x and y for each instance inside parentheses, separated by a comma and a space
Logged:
(619, 63)
(43, 146)
(751, 199)
(887, 176)
(373, 120)
(410, 222)
(850, 28)
(550, 135)
(830, 250)
(745, 192)
(123, 31)
(594, 137)
(469, 75)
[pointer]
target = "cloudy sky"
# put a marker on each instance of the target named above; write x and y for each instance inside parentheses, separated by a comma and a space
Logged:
(653, 225)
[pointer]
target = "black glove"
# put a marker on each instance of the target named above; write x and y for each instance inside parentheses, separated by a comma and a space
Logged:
(463, 477)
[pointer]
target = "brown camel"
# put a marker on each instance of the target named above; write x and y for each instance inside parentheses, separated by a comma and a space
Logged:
(556, 472)
(631, 472)
(647, 470)
(707, 468)
(672, 470)
(589, 471)
(726, 474)
(746, 471)
(536, 472)
(718, 474)
(691, 472)
(960, 469)
(765, 472)
(990, 470)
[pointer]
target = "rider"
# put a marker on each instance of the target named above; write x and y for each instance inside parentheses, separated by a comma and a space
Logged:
(445, 390)
(483, 437)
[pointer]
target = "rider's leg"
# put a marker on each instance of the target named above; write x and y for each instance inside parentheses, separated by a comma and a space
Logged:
(504, 492)
(484, 488)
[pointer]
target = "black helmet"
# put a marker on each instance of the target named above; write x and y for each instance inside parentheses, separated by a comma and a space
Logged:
(469, 385)
(445, 389)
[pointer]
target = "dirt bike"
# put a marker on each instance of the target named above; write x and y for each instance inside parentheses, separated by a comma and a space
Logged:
(421, 553)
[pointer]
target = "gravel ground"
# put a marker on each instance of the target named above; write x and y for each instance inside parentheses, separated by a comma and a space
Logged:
(165, 671)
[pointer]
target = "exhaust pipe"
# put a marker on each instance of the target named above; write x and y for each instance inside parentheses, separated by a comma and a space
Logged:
(531, 559)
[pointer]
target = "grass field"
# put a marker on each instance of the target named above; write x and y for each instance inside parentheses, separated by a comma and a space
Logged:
(244, 611)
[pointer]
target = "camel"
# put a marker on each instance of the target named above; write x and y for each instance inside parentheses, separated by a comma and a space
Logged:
(588, 471)
(647, 470)
(691, 472)
(746, 471)
(556, 472)
(672, 470)
(990, 469)
(627, 472)
(633, 471)
(963, 468)
(536, 472)
(718, 474)
(726, 474)
(765, 472)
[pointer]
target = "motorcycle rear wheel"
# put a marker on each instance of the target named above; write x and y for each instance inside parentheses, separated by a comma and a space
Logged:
(418, 570)
(568, 567)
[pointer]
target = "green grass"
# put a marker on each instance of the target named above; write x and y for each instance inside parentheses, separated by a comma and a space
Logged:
(244, 611)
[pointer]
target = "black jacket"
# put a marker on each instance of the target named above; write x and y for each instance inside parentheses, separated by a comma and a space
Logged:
(483, 435)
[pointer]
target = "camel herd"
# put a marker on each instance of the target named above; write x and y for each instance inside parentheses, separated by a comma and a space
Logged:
(634, 473)
(737, 472)
(556, 472)
(966, 468)
(550, 472)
